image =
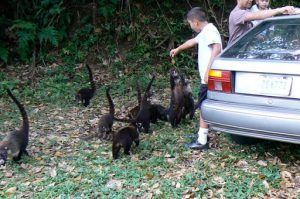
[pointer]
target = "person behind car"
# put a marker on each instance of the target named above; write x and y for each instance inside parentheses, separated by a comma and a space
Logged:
(240, 17)
(260, 5)
(209, 46)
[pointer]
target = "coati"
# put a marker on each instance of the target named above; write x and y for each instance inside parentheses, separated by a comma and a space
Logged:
(189, 104)
(106, 121)
(124, 138)
(135, 110)
(143, 117)
(156, 111)
(84, 95)
(15, 142)
(175, 110)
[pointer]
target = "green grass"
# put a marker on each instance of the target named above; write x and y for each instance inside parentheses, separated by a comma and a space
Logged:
(61, 164)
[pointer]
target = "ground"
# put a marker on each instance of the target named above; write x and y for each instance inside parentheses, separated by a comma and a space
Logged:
(62, 165)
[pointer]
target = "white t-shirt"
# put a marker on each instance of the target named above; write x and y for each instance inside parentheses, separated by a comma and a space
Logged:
(209, 35)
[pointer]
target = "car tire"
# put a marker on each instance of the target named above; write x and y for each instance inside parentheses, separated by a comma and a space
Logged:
(244, 140)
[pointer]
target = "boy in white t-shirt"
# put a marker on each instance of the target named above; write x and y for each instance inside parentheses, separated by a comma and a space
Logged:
(209, 46)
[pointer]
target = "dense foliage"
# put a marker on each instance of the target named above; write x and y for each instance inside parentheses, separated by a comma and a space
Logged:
(32, 29)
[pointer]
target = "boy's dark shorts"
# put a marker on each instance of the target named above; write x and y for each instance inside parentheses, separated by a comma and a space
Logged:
(202, 94)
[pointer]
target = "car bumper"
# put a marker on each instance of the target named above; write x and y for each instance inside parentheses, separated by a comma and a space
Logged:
(254, 121)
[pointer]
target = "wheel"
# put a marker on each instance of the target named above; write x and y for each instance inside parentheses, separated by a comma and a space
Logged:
(244, 139)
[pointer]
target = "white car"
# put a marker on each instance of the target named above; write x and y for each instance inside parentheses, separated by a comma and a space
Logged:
(254, 85)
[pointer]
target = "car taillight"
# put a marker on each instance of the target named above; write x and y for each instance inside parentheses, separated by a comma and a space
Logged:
(219, 80)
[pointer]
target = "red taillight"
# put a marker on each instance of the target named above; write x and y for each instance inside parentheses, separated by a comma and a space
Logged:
(219, 81)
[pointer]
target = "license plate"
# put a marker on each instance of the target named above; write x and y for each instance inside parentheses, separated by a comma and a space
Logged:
(277, 85)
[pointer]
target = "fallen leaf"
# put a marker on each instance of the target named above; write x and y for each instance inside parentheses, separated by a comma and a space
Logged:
(147, 196)
(114, 184)
(266, 184)
(10, 191)
(297, 181)
(286, 175)
(241, 163)
(9, 174)
(26, 183)
(78, 178)
(52, 172)
(158, 192)
(155, 186)
(262, 163)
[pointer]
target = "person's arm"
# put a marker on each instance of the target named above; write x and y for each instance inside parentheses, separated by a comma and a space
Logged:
(188, 44)
(216, 50)
(263, 14)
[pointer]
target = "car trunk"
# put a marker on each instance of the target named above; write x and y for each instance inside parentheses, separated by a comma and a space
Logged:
(280, 88)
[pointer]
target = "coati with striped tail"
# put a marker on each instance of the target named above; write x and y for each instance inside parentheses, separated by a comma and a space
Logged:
(189, 104)
(124, 138)
(84, 95)
(156, 111)
(175, 110)
(143, 117)
(15, 142)
(105, 123)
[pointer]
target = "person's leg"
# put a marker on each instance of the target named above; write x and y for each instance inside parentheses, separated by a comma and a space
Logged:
(203, 131)
(201, 142)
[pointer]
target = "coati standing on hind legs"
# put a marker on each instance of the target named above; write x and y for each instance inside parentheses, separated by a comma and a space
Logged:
(84, 95)
(175, 111)
(124, 138)
(189, 104)
(15, 142)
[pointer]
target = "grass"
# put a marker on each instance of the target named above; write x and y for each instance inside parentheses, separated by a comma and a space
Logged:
(62, 164)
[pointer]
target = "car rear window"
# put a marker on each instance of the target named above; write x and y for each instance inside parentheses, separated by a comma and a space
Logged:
(271, 40)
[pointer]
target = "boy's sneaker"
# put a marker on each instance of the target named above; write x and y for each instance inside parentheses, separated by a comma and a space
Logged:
(197, 146)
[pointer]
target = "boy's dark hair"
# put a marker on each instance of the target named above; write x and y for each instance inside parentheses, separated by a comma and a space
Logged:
(196, 13)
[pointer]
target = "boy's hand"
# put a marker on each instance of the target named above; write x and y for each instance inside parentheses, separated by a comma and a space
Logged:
(174, 52)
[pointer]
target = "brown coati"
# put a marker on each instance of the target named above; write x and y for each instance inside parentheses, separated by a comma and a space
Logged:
(143, 117)
(124, 138)
(175, 110)
(15, 142)
(106, 121)
(189, 104)
(84, 95)
(157, 111)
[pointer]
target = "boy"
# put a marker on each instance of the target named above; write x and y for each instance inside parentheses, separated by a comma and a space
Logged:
(209, 46)
(240, 17)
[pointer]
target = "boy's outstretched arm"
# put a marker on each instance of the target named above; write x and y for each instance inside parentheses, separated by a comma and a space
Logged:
(188, 44)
